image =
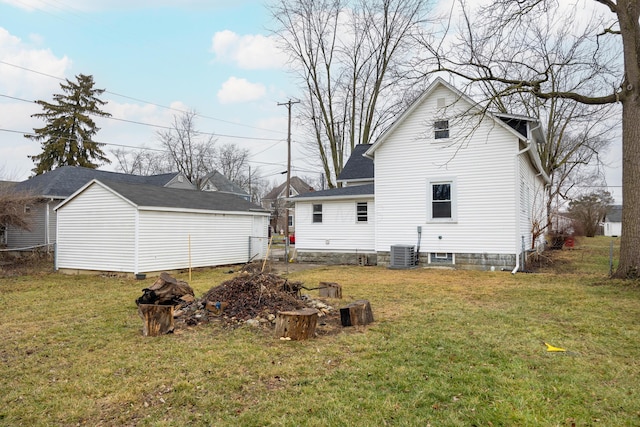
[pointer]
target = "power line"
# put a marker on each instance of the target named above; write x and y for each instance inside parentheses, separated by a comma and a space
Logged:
(161, 126)
(147, 102)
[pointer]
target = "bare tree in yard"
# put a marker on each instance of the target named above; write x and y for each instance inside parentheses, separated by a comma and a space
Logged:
(190, 151)
(351, 58)
(499, 50)
(232, 161)
(589, 210)
(14, 208)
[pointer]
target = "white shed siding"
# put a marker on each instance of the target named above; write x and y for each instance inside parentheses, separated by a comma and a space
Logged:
(96, 232)
(339, 231)
(478, 157)
(532, 195)
(216, 239)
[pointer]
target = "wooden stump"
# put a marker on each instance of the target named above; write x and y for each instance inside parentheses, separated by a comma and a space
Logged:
(158, 319)
(357, 313)
(297, 325)
(330, 290)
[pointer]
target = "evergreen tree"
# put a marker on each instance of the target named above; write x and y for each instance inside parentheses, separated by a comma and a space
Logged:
(67, 138)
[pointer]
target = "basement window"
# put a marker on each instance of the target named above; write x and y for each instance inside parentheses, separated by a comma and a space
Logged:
(441, 258)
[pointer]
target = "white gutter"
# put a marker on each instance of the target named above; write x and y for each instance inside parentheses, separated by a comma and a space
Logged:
(517, 164)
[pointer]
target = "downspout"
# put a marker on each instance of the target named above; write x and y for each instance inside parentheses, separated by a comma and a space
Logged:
(517, 170)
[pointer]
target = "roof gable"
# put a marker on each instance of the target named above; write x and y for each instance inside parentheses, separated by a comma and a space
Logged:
(216, 181)
(65, 180)
(358, 167)
(511, 123)
(148, 196)
(298, 186)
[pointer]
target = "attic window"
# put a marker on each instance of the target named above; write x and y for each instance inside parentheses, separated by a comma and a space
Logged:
(441, 128)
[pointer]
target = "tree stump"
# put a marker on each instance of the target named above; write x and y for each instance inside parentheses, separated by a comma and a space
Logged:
(158, 319)
(297, 325)
(330, 290)
(357, 313)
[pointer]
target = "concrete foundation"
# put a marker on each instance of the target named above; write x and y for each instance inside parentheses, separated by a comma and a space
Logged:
(333, 258)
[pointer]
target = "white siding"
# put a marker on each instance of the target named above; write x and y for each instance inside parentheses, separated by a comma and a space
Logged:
(96, 231)
(532, 206)
(339, 231)
(216, 239)
(479, 157)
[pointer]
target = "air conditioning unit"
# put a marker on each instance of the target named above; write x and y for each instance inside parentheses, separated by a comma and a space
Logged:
(402, 257)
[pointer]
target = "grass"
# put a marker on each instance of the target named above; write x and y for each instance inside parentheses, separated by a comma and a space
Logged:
(448, 348)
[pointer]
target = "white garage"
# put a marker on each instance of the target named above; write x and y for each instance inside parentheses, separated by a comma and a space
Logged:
(131, 228)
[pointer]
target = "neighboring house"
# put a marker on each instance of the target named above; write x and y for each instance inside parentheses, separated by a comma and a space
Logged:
(613, 221)
(137, 228)
(276, 202)
(215, 181)
(456, 184)
(55, 186)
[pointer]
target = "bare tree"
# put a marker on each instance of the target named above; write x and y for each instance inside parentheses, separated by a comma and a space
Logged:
(142, 161)
(191, 152)
(499, 49)
(351, 58)
(14, 208)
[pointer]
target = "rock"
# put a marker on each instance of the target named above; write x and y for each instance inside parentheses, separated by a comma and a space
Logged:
(253, 322)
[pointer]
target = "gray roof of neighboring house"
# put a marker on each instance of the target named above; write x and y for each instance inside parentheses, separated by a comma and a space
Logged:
(165, 197)
(223, 184)
(344, 192)
(65, 180)
(7, 184)
(296, 183)
(614, 213)
(357, 167)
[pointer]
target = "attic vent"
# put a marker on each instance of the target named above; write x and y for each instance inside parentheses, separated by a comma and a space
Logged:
(441, 102)
(402, 256)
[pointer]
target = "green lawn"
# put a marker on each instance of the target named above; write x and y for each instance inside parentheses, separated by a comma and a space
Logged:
(448, 348)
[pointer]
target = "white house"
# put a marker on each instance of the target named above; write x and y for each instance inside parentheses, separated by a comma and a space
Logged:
(452, 182)
(132, 228)
(613, 221)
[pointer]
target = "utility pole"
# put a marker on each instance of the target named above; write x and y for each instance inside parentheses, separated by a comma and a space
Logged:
(289, 103)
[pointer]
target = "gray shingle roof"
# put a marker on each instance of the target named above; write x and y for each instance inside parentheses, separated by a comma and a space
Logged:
(357, 167)
(164, 197)
(296, 183)
(222, 183)
(614, 213)
(65, 180)
(350, 191)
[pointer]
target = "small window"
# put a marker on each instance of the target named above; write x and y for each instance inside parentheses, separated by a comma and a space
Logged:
(27, 209)
(290, 220)
(441, 200)
(441, 128)
(441, 258)
(361, 212)
(317, 213)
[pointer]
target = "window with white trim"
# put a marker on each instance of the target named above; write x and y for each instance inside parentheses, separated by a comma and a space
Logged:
(362, 212)
(317, 213)
(441, 129)
(442, 204)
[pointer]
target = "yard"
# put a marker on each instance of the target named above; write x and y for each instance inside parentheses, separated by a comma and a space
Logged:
(448, 348)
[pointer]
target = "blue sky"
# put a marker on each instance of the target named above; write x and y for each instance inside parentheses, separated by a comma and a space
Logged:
(214, 57)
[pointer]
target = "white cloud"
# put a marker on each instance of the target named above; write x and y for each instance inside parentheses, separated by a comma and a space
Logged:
(236, 90)
(251, 51)
(18, 57)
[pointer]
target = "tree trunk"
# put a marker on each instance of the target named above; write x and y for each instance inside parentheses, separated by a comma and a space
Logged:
(158, 319)
(330, 290)
(297, 325)
(629, 266)
(356, 313)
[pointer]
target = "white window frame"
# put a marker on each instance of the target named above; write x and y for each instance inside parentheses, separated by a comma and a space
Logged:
(454, 200)
(316, 214)
(442, 130)
(365, 215)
